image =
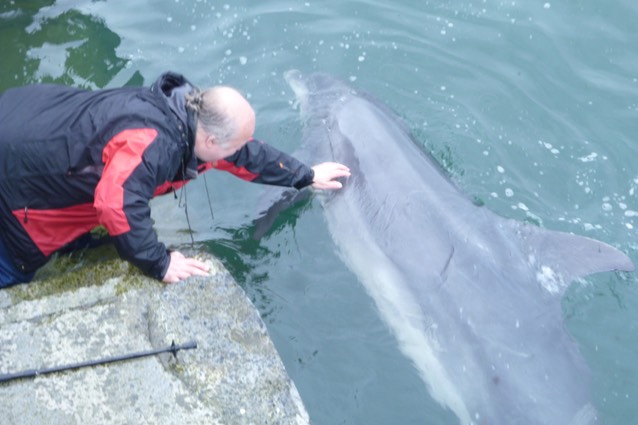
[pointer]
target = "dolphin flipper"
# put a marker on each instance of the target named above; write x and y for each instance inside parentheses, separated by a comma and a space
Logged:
(275, 202)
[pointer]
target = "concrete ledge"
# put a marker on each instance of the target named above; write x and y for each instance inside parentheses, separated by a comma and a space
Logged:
(235, 376)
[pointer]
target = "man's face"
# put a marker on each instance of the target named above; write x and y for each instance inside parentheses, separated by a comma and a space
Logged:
(208, 150)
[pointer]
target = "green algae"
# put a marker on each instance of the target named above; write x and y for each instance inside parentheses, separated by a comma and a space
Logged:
(90, 267)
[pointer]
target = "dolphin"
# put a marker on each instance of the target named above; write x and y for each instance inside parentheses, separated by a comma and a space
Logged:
(472, 298)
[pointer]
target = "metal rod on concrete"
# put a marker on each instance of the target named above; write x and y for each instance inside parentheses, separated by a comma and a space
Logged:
(31, 373)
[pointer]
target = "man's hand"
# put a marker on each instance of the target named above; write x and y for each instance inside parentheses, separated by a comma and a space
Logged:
(327, 172)
(181, 267)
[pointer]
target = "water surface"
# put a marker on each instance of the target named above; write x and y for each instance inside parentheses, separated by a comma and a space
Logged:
(531, 106)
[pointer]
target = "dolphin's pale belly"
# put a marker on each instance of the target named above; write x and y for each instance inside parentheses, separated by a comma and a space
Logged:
(404, 313)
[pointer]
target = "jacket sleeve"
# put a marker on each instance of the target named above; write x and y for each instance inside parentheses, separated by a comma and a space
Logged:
(132, 168)
(259, 162)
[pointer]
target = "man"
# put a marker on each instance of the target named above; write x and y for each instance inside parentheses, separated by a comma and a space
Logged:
(71, 160)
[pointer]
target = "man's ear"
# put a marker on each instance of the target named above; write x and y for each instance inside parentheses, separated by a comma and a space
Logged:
(211, 141)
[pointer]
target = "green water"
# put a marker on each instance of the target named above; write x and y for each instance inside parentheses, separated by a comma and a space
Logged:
(532, 106)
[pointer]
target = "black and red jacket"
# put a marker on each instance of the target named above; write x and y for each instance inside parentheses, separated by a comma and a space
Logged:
(73, 159)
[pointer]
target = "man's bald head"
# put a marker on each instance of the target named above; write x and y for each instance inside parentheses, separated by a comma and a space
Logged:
(225, 114)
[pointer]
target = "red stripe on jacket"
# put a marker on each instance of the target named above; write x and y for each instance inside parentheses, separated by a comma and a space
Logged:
(50, 230)
(121, 155)
(240, 172)
(168, 187)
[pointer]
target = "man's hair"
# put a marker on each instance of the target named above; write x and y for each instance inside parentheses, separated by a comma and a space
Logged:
(212, 114)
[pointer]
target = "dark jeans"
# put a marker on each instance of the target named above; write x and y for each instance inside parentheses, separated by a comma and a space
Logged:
(9, 274)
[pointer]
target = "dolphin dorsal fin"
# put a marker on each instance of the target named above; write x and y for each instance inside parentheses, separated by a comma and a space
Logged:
(562, 257)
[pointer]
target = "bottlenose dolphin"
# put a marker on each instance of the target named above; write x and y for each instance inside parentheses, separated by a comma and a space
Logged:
(472, 298)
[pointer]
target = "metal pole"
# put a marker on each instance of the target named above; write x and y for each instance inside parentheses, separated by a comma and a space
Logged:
(31, 373)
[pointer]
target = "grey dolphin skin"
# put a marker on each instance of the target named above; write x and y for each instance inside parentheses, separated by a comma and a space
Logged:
(472, 298)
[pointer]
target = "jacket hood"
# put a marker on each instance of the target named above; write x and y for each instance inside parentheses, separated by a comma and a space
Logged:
(173, 88)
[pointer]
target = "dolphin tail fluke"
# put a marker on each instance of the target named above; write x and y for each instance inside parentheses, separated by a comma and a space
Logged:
(562, 257)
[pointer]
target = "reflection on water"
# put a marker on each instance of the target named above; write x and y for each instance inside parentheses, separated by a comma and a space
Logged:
(243, 251)
(68, 47)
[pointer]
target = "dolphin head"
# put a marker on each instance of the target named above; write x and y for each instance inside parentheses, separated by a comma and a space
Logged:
(318, 95)
(321, 98)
